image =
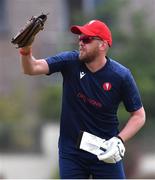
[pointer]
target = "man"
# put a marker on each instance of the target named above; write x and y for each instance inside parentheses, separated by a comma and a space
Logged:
(93, 87)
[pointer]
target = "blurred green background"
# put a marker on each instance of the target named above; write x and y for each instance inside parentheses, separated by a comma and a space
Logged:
(28, 104)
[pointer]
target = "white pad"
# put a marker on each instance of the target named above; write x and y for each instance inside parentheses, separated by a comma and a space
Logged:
(92, 143)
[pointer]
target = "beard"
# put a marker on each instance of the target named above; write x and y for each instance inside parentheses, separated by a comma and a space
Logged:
(88, 56)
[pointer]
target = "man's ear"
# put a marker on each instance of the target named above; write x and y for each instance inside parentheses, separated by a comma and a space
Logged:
(103, 45)
(100, 45)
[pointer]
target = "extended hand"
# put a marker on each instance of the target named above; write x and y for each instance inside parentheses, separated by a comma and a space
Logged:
(26, 35)
(114, 152)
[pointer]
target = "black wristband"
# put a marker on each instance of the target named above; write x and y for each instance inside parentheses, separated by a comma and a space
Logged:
(120, 139)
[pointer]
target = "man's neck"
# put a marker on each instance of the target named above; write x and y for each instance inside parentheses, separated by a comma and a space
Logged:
(97, 64)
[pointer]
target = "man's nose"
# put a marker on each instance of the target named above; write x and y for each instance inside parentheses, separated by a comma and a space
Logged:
(81, 43)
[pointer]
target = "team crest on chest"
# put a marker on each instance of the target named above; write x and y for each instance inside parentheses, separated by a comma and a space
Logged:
(107, 86)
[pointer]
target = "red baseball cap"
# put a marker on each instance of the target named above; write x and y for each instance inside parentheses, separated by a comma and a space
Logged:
(94, 28)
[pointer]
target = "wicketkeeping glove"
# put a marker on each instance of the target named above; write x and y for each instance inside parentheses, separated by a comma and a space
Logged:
(26, 35)
(114, 152)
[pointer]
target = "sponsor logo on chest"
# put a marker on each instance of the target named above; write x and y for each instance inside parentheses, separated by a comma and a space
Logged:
(82, 74)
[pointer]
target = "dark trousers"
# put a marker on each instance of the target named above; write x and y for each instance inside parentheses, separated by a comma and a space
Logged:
(75, 167)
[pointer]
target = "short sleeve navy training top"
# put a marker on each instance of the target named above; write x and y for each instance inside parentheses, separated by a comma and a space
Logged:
(90, 100)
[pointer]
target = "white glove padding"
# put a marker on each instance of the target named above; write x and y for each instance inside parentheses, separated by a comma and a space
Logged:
(115, 151)
(91, 143)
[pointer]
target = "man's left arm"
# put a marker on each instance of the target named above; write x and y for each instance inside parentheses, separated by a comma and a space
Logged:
(115, 146)
(134, 124)
(133, 104)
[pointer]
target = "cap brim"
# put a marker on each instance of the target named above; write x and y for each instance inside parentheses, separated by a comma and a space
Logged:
(81, 30)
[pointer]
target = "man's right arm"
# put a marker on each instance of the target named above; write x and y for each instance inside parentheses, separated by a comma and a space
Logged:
(30, 65)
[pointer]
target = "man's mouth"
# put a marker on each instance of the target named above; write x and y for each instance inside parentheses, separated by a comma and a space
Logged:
(81, 49)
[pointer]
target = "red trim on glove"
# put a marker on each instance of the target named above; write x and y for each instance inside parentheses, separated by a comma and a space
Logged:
(25, 53)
